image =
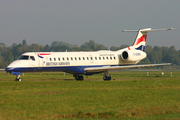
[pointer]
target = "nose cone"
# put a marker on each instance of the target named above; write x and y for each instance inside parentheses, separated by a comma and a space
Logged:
(17, 66)
(11, 66)
(8, 69)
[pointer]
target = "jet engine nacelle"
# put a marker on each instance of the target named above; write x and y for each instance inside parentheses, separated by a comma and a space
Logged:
(133, 55)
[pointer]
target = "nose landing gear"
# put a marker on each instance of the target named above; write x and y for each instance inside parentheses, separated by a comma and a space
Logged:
(18, 78)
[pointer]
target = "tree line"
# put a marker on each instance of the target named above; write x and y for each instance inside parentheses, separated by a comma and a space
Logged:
(154, 54)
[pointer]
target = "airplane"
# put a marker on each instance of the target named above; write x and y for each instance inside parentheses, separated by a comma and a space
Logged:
(85, 62)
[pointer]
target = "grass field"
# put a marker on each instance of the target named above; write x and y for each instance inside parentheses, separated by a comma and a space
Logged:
(131, 95)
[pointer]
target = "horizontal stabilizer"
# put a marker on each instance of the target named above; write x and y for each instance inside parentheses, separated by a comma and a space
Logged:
(147, 30)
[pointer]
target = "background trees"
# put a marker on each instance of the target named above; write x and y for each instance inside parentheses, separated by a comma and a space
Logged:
(155, 54)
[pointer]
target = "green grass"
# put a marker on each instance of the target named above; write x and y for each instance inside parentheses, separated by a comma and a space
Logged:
(132, 95)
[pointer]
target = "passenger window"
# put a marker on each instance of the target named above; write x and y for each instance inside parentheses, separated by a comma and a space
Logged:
(79, 58)
(50, 59)
(107, 58)
(75, 58)
(71, 58)
(83, 58)
(54, 59)
(103, 58)
(91, 58)
(87, 58)
(111, 58)
(32, 58)
(59, 59)
(67, 58)
(63, 59)
(99, 58)
(114, 57)
(95, 58)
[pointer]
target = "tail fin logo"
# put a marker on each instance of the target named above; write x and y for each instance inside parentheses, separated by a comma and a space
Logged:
(141, 39)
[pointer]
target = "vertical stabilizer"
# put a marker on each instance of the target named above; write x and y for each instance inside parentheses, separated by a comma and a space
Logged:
(140, 41)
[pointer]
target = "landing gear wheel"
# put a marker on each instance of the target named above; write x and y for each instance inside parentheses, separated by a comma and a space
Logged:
(105, 78)
(18, 79)
(81, 78)
(78, 78)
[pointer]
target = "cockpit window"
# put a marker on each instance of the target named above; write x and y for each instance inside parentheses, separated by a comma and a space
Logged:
(23, 57)
(32, 58)
(26, 57)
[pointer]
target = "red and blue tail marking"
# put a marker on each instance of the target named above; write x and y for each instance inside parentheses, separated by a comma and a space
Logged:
(140, 43)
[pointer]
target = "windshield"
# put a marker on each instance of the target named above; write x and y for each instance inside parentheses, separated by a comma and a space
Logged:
(23, 57)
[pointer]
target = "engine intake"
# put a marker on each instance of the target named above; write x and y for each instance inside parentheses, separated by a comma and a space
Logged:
(124, 55)
(133, 55)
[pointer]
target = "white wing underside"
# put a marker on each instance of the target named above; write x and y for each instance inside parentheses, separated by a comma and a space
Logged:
(110, 68)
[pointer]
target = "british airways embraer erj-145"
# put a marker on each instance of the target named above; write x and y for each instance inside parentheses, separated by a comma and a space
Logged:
(84, 63)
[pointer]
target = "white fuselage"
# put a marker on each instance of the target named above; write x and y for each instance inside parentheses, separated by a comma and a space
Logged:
(86, 63)
(71, 62)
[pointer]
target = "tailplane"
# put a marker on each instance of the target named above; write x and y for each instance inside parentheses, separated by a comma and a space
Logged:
(140, 41)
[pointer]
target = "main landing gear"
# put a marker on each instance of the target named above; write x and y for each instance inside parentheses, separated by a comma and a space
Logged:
(18, 78)
(106, 76)
(78, 78)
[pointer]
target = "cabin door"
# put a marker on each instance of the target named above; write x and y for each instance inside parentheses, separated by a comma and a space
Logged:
(42, 62)
(33, 62)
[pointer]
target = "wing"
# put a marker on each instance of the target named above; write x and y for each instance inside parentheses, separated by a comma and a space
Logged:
(109, 68)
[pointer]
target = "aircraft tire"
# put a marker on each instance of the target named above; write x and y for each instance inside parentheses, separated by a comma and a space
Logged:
(105, 78)
(18, 79)
(80, 78)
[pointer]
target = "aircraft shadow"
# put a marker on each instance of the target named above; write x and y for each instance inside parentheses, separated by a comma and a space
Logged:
(68, 79)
